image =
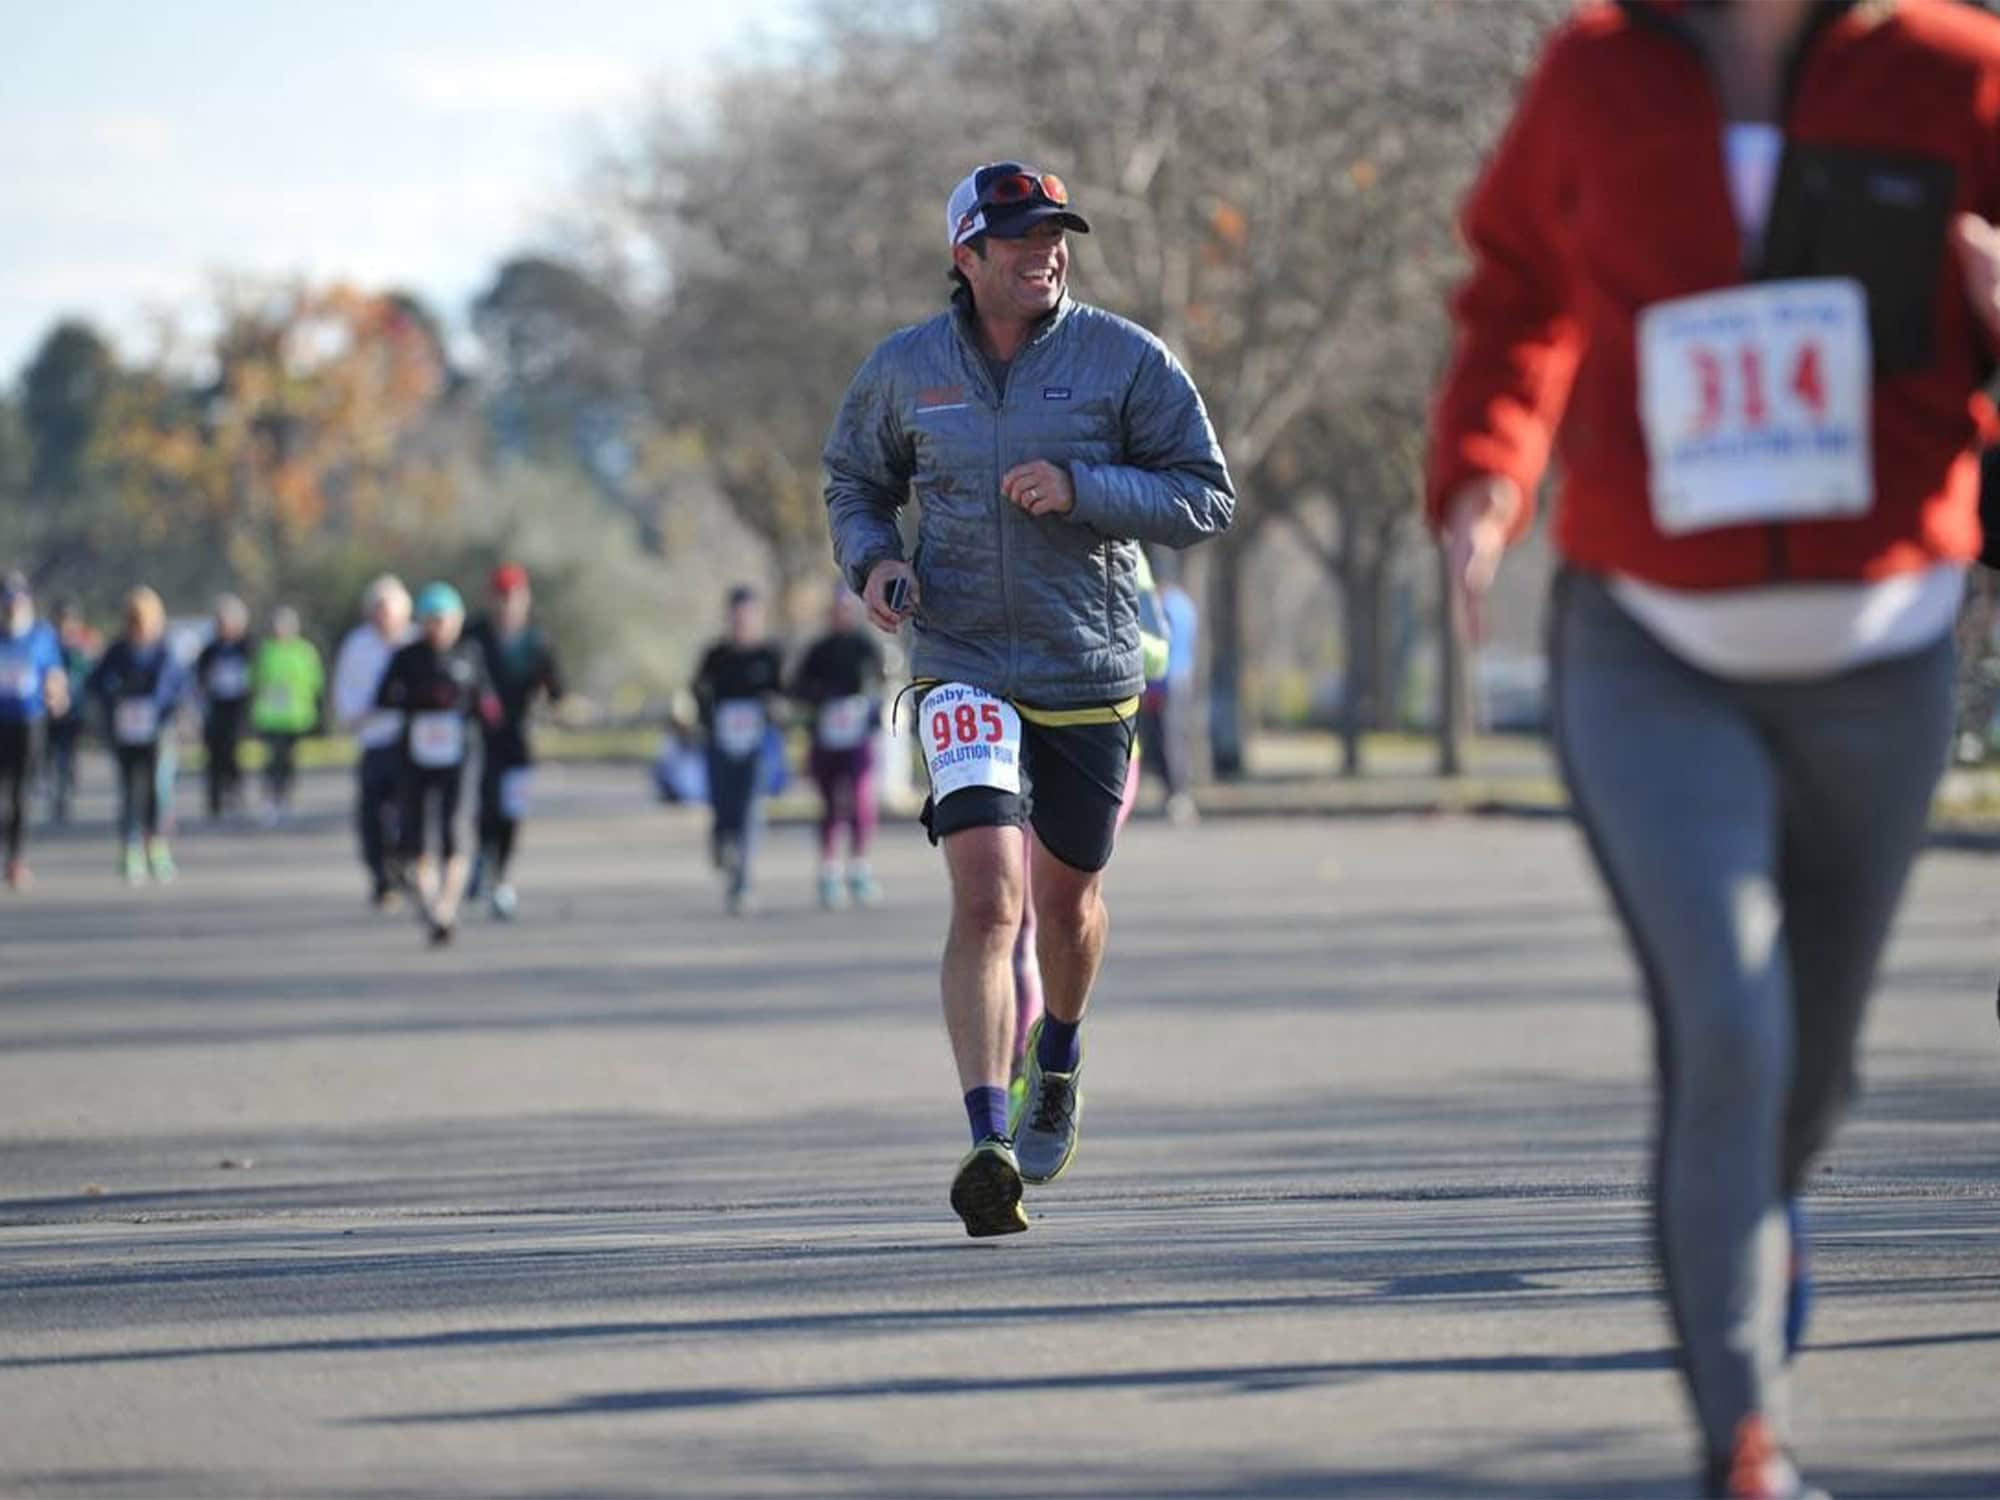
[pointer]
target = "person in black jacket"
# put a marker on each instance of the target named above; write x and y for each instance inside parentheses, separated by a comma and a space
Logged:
(840, 683)
(438, 685)
(222, 673)
(735, 686)
(520, 664)
(139, 687)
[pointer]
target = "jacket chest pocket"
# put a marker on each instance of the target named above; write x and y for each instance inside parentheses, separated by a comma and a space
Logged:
(1066, 426)
(1877, 217)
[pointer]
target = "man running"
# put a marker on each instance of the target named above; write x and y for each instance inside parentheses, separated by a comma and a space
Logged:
(840, 684)
(357, 682)
(521, 665)
(736, 688)
(435, 685)
(33, 687)
(286, 682)
(1044, 438)
(222, 672)
(141, 687)
(1730, 286)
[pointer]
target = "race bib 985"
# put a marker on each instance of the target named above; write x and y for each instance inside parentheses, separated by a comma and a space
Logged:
(1755, 402)
(970, 739)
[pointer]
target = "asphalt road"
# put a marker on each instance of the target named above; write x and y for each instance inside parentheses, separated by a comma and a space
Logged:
(632, 1199)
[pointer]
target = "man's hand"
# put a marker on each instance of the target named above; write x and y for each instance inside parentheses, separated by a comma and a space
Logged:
(1040, 488)
(1477, 521)
(876, 594)
(1979, 256)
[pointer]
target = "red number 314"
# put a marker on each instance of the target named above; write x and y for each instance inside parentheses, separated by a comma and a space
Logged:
(964, 725)
(1711, 374)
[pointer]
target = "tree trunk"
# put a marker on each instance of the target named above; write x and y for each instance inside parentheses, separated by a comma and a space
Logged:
(1354, 686)
(1225, 636)
(1451, 672)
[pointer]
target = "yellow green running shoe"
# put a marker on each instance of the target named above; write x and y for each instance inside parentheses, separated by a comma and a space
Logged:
(1045, 1122)
(986, 1193)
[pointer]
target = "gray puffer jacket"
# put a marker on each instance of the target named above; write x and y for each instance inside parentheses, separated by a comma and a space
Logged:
(1043, 609)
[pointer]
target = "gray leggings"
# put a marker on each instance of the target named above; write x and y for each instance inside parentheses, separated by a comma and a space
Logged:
(1755, 838)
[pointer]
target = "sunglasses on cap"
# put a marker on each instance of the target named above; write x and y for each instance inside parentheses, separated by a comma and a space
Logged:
(1024, 187)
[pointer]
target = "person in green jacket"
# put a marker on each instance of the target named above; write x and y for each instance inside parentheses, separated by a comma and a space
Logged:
(286, 681)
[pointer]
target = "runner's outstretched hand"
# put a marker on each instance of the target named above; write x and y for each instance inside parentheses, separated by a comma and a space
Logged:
(1475, 535)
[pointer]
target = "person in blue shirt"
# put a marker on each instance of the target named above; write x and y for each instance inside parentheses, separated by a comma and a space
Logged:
(32, 685)
(140, 687)
(1166, 714)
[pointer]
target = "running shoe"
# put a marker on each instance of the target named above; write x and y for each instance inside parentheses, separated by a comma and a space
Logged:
(863, 888)
(986, 1193)
(440, 933)
(1758, 1468)
(505, 903)
(1017, 1091)
(164, 868)
(1799, 1288)
(829, 892)
(1045, 1123)
(135, 865)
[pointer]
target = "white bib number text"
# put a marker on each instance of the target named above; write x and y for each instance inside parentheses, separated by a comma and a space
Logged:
(971, 739)
(844, 722)
(739, 727)
(1755, 402)
(437, 740)
(136, 721)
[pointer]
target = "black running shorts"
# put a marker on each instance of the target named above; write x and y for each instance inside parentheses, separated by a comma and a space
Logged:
(1072, 785)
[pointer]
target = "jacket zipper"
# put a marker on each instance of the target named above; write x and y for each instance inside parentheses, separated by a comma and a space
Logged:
(1000, 509)
(1777, 534)
(971, 354)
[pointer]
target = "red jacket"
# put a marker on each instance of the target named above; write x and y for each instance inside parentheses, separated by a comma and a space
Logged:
(1608, 193)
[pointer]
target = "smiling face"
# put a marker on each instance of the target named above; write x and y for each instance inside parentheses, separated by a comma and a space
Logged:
(1021, 279)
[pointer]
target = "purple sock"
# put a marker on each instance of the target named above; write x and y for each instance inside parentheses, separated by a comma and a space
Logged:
(986, 1110)
(1058, 1050)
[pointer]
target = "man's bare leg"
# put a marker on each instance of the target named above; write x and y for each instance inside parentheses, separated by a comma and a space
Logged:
(978, 985)
(978, 977)
(1071, 926)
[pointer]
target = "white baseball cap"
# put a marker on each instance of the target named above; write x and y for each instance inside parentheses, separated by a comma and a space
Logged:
(1006, 199)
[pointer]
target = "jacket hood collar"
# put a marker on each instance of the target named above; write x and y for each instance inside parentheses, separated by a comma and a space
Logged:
(963, 319)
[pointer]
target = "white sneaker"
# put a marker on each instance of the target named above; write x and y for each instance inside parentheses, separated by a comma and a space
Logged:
(505, 902)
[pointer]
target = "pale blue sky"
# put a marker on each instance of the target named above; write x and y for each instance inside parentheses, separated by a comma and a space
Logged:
(145, 147)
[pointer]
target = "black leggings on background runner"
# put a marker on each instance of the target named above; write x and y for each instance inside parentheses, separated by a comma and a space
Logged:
(223, 737)
(280, 767)
(425, 790)
(19, 742)
(138, 791)
(733, 794)
(63, 736)
(377, 786)
(505, 753)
